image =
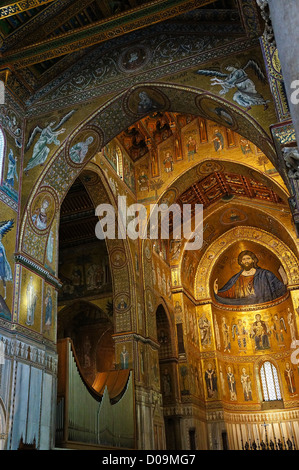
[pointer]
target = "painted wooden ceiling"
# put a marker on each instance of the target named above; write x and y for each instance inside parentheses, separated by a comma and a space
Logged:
(151, 131)
(37, 35)
(77, 217)
(221, 185)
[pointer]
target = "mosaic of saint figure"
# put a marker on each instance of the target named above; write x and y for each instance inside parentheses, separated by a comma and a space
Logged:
(11, 169)
(279, 329)
(5, 269)
(31, 302)
(205, 330)
(79, 151)
(246, 385)
(124, 358)
(239, 332)
(251, 285)
(289, 378)
(211, 381)
(40, 216)
(168, 162)
(122, 304)
(146, 103)
(143, 181)
(291, 323)
(48, 306)
(167, 387)
(231, 384)
(218, 141)
(191, 147)
(226, 335)
(260, 332)
(50, 247)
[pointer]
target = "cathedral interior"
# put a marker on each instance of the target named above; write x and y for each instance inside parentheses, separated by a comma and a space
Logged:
(149, 343)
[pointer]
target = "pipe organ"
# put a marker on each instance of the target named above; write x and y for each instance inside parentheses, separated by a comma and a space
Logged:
(101, 415)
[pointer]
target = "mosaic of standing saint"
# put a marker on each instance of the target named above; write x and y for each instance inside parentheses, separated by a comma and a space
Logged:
(5, 268)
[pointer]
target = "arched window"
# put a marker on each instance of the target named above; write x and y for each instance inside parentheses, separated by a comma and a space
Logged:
(119, 162)
(270, 382)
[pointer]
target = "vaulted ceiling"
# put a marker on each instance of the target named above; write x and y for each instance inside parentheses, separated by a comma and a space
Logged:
(221, 185)
(228, 186)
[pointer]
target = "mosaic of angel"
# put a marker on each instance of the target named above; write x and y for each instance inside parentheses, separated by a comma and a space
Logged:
(48, 136)
(237, 78)
(11, 169)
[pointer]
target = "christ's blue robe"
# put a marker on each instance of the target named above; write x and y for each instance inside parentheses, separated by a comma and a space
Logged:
(267, 287)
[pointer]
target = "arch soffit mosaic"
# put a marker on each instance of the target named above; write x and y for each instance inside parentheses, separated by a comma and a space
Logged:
(98, 189)
(100, 192)
(58, 174)
(197, 101)
(120, 258)
(170, 98)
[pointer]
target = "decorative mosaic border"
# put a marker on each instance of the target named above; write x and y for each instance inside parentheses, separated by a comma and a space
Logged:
(66, 90)
(19, 7)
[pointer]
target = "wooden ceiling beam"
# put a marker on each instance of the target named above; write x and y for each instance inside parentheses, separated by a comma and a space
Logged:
(82, 38)
(104, 7)
(58, 20)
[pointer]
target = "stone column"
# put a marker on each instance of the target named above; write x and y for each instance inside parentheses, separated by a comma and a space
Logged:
(284, 16)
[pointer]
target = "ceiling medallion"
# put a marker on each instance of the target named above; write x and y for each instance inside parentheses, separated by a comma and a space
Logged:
(134, 58)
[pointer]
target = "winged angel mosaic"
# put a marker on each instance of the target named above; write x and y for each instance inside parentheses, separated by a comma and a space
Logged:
(48, 136)
(5, 269)
(237, 78)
